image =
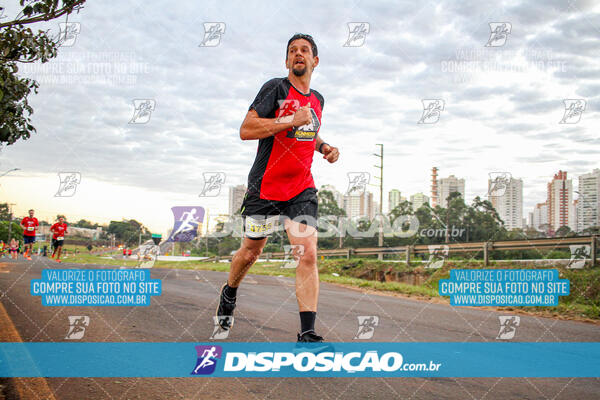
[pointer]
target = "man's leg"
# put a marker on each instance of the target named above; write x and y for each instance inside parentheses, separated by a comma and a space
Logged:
(241, 262)
(307, 274)
(243, 259)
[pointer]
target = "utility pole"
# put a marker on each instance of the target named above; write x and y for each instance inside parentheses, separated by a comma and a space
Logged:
(206, 235)
(10, 218)
(380, 177)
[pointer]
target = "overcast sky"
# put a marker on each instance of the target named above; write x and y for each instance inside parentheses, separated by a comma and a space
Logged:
(502, 103)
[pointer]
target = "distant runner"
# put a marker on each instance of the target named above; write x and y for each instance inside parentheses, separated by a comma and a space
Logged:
(59, 231)
(14, 249)
(29, 225)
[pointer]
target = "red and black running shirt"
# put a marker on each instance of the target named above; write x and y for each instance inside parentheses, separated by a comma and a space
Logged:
(281, 169)
(59, 230)
(30, 224)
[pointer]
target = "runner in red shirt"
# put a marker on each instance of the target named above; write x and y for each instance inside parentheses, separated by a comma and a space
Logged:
(59, 231)
(285, 118)
(29, 225)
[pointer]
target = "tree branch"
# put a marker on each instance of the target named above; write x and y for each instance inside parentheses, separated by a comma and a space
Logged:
(44, 17)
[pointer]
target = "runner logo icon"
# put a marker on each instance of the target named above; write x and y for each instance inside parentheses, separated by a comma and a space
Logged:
(207, 359)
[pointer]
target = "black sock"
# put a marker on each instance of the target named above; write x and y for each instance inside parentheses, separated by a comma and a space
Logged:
(307, 321)
(230, 293)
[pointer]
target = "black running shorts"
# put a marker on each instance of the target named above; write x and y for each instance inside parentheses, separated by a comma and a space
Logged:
(259, 213)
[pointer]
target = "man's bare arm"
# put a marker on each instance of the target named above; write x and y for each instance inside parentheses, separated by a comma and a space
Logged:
(255, 127)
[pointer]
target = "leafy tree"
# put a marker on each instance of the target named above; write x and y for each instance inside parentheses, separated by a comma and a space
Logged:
(19, 44)
(128, 231)
(403, 208)
(4, 212)
(16, 231)
(328, 205)
(564, 231)
(82, 223)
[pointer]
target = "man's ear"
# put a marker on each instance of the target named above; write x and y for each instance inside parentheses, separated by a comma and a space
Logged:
(316, 62)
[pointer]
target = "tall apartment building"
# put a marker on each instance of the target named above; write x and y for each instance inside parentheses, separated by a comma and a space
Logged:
(360, 205)
(510, 205)
(448, 185)
(560, 202)
(236, 197)
(539, 217)
(588, 203)
(417, 200)
(393, 199)
(339, 197)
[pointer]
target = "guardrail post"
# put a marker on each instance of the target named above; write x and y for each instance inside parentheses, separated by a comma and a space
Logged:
(486, 254)
(348, 252)
(217, 258)
(407, 251)
(268, 256)
(594, 251)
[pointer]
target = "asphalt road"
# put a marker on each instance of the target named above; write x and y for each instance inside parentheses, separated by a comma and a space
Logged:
(267, 311)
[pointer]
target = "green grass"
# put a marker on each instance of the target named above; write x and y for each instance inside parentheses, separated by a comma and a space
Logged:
(582, 303)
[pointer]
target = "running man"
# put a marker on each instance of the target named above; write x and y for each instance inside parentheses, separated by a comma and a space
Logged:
(29, 225)
(59, 231)
(285, 117)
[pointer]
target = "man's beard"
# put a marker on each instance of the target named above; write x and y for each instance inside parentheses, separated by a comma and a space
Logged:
(299, 72)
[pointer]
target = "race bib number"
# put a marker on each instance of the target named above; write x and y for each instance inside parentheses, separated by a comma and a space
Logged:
(260, 227)
(60, 238)
(30, 228)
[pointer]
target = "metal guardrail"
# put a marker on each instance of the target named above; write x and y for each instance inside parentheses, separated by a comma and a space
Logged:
(484, 247)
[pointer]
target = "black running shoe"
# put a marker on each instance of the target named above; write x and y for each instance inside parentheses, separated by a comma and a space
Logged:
(310, 337)
(312, 343)
(225, 311)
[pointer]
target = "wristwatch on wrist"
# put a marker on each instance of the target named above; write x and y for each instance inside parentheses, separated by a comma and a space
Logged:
(321, 146)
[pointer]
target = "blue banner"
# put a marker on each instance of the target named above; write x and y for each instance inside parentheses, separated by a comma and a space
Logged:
(504, 287)
(95, 287)
(229, 359)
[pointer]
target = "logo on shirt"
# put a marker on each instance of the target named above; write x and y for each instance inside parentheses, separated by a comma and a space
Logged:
(499, 32)
(574, 108)
(68, 184)
(207, 359)
(306, 132)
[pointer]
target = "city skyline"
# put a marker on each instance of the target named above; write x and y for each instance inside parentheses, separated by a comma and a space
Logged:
(368, 207)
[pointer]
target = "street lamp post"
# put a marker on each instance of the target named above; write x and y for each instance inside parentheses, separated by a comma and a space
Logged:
(380, 166)
(9, 171)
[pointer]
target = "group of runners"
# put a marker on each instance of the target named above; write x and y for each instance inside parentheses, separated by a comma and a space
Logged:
(30, 226)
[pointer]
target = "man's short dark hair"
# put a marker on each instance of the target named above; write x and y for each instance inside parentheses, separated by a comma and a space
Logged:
(305, 37)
